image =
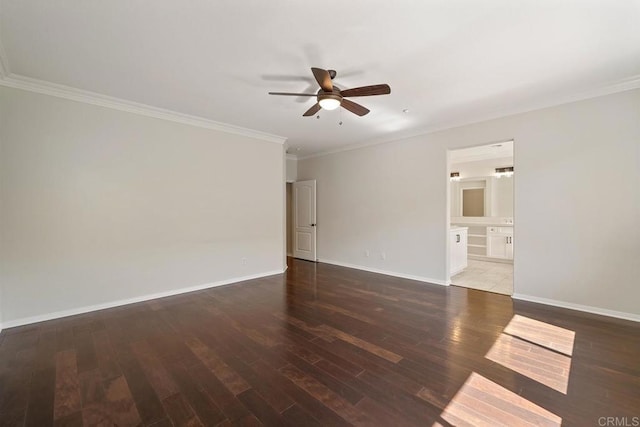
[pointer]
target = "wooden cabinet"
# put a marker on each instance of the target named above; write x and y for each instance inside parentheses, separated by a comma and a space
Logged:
(500, 242)
(457, 249)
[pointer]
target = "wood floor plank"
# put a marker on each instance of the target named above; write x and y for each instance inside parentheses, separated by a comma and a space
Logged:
(43, 382)
(261, 409)
(180, 412)
(296, 416)
(67, 391)
(322, 393)
(267, 390)
(105, 356)
(85, 351)
(91, 387)
(381, 415)
(306, 400)
(205, 408)
(147, 402)
(156, 373)
(327, 379)
(230, 406)
(116, 407)
(234, 382)
(73, 420)
(367, 346)
(14, 417)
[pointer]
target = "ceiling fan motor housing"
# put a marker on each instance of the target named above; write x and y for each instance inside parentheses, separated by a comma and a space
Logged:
(333, 95)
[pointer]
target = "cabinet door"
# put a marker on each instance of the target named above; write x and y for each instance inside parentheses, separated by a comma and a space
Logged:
(462, 250)
(454, 253)
(458, 251)
(498, 246)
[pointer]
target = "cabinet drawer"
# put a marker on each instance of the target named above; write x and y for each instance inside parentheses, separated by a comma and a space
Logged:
(505, 231)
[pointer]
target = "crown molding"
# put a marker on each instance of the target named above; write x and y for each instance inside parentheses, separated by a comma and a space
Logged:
(292, 157)
(623, 85)
(66, 92)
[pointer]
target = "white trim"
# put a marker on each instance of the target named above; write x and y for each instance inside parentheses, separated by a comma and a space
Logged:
(292, 157)
(609, 89)
(4, 64)
(118, 303)
(79, 95)
(586, 308)
(386, 272)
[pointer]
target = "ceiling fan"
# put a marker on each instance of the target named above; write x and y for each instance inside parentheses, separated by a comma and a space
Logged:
(331, 97)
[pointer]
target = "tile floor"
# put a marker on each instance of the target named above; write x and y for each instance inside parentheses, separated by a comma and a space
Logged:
(486, 276)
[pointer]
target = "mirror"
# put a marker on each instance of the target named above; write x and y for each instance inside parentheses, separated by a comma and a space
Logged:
(482, 197)
(473, 202)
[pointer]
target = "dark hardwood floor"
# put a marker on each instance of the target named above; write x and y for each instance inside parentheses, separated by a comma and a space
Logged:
(323, 345)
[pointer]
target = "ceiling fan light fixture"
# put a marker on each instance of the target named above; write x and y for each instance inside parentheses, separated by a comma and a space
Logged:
(329, 101)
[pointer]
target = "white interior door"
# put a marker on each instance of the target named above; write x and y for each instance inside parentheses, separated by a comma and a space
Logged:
(304, 220)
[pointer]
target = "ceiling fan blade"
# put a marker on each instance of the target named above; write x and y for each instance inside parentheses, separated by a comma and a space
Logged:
(354, 108)
(312, 111)
(323, 78)
(383, 89)
(293, 94)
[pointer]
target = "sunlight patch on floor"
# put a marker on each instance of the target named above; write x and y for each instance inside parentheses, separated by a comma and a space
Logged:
(541, 333)
(533, 361)
(481, 402)
(537, 350)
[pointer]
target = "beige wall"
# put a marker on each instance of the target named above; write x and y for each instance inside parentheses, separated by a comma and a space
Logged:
(292, 169)
(100, 206)
(577, 202)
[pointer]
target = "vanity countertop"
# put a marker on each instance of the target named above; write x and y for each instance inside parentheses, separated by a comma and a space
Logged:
(484, 224)
(496, 221)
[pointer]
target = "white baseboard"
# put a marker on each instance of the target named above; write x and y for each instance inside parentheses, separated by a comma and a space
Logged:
(118, 303)
(388, 273)
(586, 308)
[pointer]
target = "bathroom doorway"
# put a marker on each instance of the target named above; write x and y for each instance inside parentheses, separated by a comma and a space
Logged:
(481, 214)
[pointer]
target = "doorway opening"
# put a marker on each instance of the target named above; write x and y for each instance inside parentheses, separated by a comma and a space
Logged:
(481, 217)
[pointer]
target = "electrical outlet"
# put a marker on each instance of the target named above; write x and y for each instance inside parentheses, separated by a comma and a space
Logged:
(383, 255)
(244, 261)
(366, 253)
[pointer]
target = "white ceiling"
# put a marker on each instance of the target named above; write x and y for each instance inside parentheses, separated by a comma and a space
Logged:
(449, 61)
(497, 150)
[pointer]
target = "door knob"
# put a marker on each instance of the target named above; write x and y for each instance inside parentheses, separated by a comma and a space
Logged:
(313, 225)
